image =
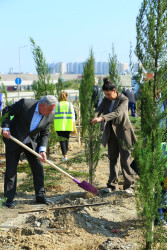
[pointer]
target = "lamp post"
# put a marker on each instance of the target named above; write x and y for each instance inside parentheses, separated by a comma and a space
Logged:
(19, 56)
(18, 87)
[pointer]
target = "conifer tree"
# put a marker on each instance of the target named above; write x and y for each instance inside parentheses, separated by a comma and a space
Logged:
(5, 93)
(43, 86)
(59, 86)
(113, 69)
(151, 51)
(90, 134)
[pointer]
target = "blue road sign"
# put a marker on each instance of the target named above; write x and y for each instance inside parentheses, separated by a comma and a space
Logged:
(18, 80)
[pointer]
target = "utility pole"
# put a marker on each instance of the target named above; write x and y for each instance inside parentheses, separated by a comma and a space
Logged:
(18, 87)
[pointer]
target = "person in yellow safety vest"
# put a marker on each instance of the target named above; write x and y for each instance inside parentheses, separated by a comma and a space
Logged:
(64, 122)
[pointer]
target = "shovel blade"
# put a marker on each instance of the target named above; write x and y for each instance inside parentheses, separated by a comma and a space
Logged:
(88, 187)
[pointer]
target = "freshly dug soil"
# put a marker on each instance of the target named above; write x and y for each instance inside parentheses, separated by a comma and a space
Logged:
(77, 220)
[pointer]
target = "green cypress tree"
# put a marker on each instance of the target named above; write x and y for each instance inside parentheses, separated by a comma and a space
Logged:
(131, 63)
(113, 69)
(43, 86)
(90, 134)
(5, 93)
(151, 44)
(59, 86)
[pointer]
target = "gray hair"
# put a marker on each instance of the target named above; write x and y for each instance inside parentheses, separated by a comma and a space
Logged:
(48, 100)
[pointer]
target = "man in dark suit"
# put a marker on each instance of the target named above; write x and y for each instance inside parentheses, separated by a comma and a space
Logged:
(30, 124)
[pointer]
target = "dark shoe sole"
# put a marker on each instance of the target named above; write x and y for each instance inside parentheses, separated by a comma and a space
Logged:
(47, 202)
(9, 205)
(112, 187)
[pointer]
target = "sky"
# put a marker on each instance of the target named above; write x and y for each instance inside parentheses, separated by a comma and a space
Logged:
(65, 30)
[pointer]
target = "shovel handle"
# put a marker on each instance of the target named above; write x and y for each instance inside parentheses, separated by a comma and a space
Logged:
(39, 156)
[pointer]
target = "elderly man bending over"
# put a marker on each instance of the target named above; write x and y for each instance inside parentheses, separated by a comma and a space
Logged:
(28, 120)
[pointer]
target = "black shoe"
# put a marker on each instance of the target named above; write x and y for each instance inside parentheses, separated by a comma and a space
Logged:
(113, 188)
(9, 203)
(43, 200)
(158, 222)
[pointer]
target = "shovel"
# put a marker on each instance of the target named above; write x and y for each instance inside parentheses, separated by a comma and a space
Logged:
(85, 185)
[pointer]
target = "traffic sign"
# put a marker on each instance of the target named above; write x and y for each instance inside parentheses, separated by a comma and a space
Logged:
(18, 80)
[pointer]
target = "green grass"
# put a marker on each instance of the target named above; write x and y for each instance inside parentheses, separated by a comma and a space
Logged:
(72, 84)
(136, 123)
(79, 158)
(50, 171)
(2, 201)
(52, 177)
(78, 174)
(26, 186)
(103, 152)
(24, 168)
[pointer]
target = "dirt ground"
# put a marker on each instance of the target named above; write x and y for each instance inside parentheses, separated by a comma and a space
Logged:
(104, 221)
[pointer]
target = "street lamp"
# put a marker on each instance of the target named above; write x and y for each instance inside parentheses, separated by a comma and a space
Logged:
(18, 87)
(19, 56)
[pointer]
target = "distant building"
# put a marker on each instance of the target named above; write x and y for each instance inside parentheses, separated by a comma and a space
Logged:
(80, 68)
(10, 70)
(60, 67)
(76, 68)
(105, 68)
(57, 68)
(123, 67)
(52, 68)
(70, 68)
(101, 68)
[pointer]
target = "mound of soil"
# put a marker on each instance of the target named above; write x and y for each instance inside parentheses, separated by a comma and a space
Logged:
(77, 220)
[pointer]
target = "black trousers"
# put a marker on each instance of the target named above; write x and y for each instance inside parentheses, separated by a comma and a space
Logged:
(10, 182)
(64, 143)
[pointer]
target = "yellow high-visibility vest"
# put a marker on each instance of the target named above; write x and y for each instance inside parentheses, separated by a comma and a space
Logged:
(63, 120)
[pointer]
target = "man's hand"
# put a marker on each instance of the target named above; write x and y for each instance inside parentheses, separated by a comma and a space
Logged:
(43, 158)
(95, 120)
(6, 133)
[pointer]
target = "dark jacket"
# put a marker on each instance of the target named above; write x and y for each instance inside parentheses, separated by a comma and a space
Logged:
(130, 95)
(19, 125)
(96, 95)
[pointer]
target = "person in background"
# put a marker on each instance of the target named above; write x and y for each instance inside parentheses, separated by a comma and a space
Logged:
(97, 95)
(118, 134)
(1, 103)
(30, 125)
(132, 100)
(163, 199)
(64, 122)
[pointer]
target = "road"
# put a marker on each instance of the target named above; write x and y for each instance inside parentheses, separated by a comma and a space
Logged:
(15, 95)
